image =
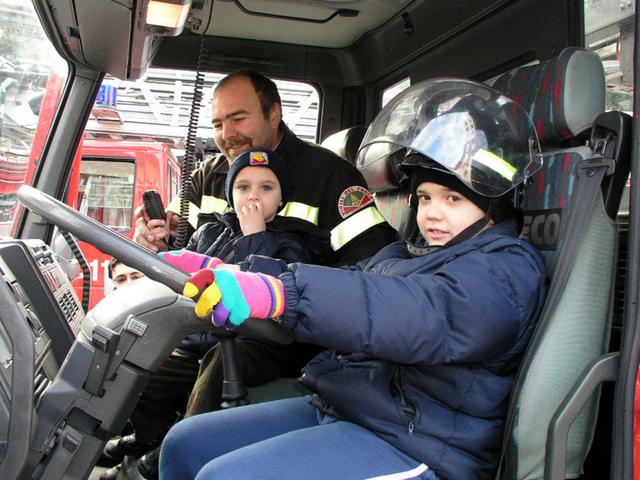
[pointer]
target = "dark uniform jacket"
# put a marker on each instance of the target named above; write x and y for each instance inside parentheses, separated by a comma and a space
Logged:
(289, 239)
(436, 339)
(327, 191)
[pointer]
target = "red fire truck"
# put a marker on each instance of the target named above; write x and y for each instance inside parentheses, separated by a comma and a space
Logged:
(107, 182)
(107, 178)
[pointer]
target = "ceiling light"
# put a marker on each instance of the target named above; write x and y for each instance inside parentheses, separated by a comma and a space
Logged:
(166, 17)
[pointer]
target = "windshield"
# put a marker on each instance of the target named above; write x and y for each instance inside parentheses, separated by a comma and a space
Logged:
(31, 78)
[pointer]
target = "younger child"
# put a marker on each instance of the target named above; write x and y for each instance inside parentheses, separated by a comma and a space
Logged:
(426, 336)
(257, 186)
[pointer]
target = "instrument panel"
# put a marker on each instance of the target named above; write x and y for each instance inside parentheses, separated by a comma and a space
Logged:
(47, 301)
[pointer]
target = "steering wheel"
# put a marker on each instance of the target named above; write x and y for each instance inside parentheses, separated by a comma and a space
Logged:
(130, 253)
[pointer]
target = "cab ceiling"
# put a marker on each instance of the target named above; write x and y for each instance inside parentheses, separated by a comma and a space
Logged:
(367, 41)
(320, 23)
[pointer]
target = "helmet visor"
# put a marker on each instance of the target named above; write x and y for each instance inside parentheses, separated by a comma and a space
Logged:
(484, 138)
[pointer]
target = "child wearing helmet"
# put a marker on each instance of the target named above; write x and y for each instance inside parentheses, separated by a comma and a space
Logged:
(425, 337)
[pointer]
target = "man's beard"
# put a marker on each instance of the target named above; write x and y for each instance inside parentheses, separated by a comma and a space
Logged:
(236, 142)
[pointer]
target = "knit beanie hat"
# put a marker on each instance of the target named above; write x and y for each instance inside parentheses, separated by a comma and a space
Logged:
(259, 157)
(420, 175)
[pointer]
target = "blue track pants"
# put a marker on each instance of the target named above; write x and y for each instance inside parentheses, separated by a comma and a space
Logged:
(285, 439)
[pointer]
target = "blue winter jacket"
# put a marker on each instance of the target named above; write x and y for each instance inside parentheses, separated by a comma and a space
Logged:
(436, 339)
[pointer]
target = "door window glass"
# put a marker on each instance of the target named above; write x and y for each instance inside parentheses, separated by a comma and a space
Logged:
(105, 191)
(608, 26)
(609, 31)
(174, 181)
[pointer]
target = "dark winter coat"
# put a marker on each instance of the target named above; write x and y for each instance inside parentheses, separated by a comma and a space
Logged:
(436, 342)
(286, 238)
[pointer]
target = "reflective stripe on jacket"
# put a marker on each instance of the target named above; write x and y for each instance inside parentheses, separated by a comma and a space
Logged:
(320, 182)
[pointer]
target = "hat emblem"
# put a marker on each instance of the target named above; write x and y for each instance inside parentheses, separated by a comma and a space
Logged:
(258, 158)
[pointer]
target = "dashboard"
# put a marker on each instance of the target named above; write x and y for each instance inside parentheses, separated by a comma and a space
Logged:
(48, 304)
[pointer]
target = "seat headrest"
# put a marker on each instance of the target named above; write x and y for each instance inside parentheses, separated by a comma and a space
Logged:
(562, 95)
(345, 143)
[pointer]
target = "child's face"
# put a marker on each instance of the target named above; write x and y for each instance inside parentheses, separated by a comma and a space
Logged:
(443, 213)
(257, 186)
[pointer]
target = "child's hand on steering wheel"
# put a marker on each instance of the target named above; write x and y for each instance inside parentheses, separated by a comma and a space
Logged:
(234, 296)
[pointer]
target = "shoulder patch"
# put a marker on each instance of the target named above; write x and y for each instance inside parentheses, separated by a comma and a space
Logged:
(353, 199)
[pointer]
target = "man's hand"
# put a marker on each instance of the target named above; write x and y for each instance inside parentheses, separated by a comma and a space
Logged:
(251, 218)
(153, 234)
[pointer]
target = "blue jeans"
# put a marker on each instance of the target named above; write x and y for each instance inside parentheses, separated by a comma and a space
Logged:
(285, 439)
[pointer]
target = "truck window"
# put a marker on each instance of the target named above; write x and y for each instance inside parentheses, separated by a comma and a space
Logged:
(174, 181)
(29, 68)
(105, 191)
(158, 107)
(609, 31)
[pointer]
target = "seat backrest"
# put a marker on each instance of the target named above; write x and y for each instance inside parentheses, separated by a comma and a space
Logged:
(563, 96)
(345, 143)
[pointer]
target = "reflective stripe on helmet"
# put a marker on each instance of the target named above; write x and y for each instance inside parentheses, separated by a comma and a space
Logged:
(301, 211)
(495, 163)
(354, 225)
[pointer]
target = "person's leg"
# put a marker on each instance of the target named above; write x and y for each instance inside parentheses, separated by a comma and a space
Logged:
(335, 450)
(162, 401)
(259, 364)
(164, 398)
(193, 442)
(207, 389)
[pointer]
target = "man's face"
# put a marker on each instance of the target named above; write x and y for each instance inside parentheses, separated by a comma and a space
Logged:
(238, 120)
(122, 274)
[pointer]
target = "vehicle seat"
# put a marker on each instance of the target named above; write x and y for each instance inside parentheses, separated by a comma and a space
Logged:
(563, 96)
(345, 143)
(569, 214)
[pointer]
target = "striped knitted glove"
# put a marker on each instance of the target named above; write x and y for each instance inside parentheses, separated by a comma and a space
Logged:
(189, 261)
(235, 295)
